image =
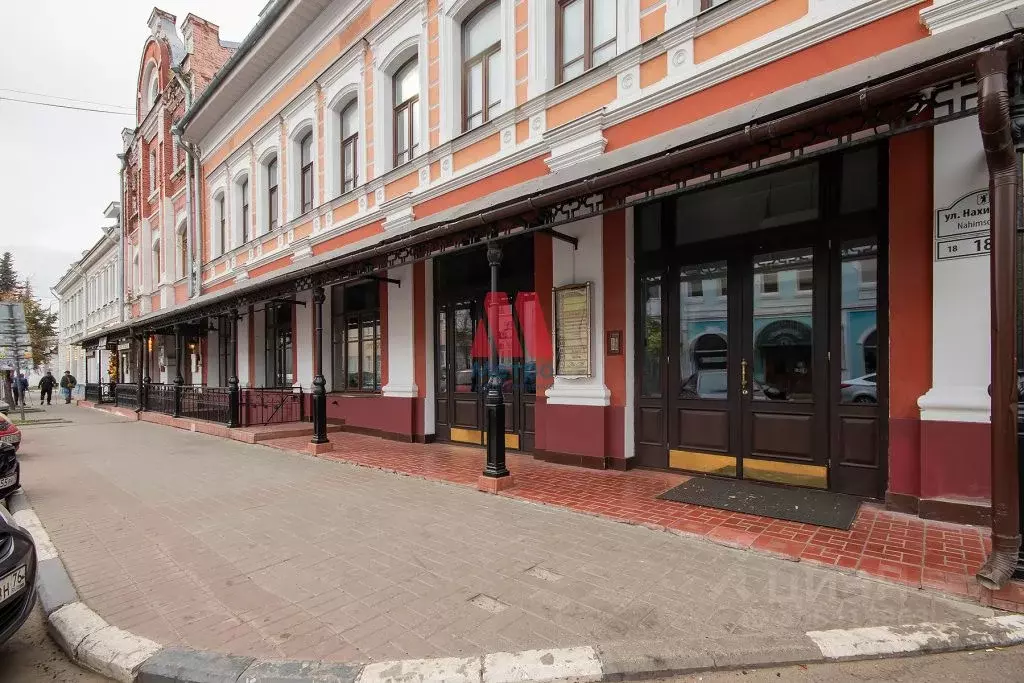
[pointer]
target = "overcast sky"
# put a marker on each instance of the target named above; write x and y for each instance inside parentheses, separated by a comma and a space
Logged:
(59, 167)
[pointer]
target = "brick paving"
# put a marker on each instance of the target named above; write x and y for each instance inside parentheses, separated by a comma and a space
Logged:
(195, 540)
(883, 544)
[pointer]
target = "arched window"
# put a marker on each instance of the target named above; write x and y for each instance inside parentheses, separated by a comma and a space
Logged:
(870, 350)
(182, 252)
(586, 35)
(349, 126)
(272, 179)
(481, 65)
(306, 166)
(406, 108)
(222, 224)
(244, 191)
(157, 270)
(151, 86)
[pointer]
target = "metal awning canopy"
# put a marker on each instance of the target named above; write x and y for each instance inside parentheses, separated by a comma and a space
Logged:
(878, 97)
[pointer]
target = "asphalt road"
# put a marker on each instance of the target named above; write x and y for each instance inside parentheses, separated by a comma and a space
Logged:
(1004, 665)
(31, 656)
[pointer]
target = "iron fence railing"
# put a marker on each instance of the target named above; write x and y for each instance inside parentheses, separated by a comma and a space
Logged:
(126, 396)
(263, 406)
(205, 403)
(93, 392)
(160, 398)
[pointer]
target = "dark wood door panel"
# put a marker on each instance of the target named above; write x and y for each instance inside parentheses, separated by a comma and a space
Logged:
(650, 426)
(858, 440)
(705, 430)
(442, 411)
(782, 434)
(467, 412)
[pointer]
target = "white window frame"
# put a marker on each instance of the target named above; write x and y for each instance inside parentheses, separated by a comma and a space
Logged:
(219, 248)
(236, 211)
(263, 191)
(451, 19)
(295, 170)
(153, 164)
(156, 256)
(179, 232)
(406, 41)
(543, 40)
(332, 140)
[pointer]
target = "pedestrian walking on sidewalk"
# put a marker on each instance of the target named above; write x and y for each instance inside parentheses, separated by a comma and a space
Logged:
(67, 385)
(46, 385)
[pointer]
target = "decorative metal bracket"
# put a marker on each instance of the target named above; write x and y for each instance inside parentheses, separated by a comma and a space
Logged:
(574, 241)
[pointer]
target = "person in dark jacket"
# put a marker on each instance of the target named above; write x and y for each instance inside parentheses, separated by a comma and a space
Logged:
(67, 385)
(46, 385)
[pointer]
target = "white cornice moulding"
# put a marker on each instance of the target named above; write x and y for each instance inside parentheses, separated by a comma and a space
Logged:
(945, 15)
(956, 404)
(401, 390)
(565, 392)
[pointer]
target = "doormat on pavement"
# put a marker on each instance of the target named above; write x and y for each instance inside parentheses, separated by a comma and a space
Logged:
(793, 504)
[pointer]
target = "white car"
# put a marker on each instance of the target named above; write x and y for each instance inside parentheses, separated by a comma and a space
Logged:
(5, 407)
(863, 389)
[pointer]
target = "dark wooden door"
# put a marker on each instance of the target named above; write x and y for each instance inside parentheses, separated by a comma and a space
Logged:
(652, 410)
(858, 391)
(702, 395)
(783, 366)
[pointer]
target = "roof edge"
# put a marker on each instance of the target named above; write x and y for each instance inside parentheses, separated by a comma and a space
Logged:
(267, 19)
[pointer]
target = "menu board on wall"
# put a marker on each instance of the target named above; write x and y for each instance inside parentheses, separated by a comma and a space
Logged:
(572, 330)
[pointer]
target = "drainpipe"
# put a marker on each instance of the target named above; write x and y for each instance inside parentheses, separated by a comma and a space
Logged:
(121, 241)
(1004, 188)
(190, 163)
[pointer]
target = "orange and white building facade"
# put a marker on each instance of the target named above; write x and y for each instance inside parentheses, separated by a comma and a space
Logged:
(716, 342)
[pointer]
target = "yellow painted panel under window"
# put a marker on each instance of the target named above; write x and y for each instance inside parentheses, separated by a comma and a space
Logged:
(794, 474)
(511, 441)
(709, 463)
(467, 435)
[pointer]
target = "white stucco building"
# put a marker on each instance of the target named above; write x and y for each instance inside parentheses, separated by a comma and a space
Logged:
(90, 301)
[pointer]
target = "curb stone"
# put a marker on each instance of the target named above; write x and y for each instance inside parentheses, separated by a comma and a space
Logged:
(94, 644)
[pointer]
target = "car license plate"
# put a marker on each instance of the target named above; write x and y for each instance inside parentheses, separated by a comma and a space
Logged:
(11, 438)
(8, 481)
(12, 584)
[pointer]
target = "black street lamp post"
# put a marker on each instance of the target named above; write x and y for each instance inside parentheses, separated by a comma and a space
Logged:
(234, 393)
(319, 383)
(494, 403)
(179, 351)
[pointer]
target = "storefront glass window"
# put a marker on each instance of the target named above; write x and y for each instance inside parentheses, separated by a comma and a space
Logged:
(356, 337)
(783, 326)
(772, 200)
(653, 346)
(859, 321)
(703, 338)
(280, 363)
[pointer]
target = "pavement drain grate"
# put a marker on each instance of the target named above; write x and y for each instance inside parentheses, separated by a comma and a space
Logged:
(488, 604)
(539, 572)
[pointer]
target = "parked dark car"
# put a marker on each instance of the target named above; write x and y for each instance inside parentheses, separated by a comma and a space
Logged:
(17, 575)
(10, 471)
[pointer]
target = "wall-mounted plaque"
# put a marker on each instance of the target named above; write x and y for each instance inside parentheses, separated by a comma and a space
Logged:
(572, 330)
(613, 343)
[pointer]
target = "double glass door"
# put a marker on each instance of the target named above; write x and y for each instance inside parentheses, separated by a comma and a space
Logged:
(761, 361)
(464, 337)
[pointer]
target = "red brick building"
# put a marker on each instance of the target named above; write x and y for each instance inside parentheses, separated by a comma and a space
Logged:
(160, 246)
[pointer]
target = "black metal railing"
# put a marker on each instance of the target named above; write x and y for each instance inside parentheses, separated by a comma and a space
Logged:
(93, 392)
(263, 406)
(107, 392)
(126, 396)
(205, 403)
(160, 398)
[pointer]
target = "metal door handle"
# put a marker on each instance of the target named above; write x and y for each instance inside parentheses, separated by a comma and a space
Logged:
(743, 377)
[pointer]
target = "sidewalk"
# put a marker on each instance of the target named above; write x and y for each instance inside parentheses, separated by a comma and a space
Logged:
(887, 545)
(191, 540)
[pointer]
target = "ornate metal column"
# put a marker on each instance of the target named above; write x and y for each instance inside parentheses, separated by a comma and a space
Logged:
(179, 351)
(494, 403)
(139, 364)
(234, 393)
(319, 383)
(147, 340)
